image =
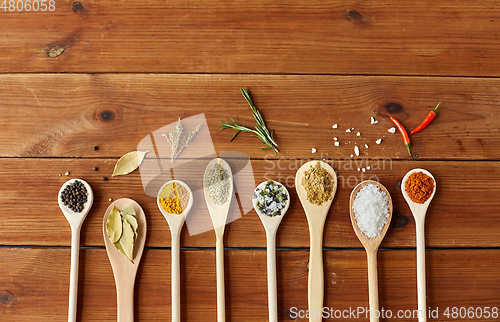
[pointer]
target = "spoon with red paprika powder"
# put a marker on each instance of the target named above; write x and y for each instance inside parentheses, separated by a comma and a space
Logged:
(418, 187)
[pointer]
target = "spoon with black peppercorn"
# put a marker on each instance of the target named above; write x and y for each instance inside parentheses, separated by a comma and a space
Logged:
(75, 199)
(271, 211)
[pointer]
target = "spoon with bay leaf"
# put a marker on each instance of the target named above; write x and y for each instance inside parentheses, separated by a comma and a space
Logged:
(184, 195)
(124, 268)
(218, 190)
(372, 215)
(67, 196)
(321, 180)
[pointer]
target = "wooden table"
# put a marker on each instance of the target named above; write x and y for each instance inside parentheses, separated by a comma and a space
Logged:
(108, 74)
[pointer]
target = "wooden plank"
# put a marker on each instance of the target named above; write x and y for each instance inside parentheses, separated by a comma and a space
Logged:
(300, 37)
(31, 278)
(66, 115)
(464, 212)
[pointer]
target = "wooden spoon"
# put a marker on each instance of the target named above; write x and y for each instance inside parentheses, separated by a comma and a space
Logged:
(218, 214)
(75, 220)
(271, 226)
(123, 269)
(419, 210)
(371, 245)
(175, 223)
(316, 216)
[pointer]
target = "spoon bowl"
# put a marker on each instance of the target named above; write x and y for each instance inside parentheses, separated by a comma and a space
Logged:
(218, 215)
(75, 220)
(175, 223)
(271, 226)
(125, 270)
(316, 217)
(371, 245)
(419, 211)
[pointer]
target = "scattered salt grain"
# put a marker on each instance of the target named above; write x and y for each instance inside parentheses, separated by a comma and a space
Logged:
(335, 138)
(356, 150)
(371, 210)
(313, 150)
(358, 134)
(352, 128)
(392, 130)
(348, 130)
(359, 169)
(373, 121)
(378, 141)
(363, 169)
(366, 146)
(337, 143)
(352, 155)
(368, 168)
(334, 126)
(66, 173)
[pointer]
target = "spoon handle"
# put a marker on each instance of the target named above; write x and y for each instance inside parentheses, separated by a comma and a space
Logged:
(125, 298)
(422, 312)
(271, 277)
(176, 288)
(73, 276)
(221, 305)
(316, 278)
(373, 285)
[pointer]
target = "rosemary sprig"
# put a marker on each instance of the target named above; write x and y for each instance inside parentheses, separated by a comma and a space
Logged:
(261, 131)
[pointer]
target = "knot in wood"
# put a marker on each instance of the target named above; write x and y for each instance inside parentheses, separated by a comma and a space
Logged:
(7, 298)
(55, 51)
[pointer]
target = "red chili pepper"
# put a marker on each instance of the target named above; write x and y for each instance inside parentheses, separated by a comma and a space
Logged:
(427, 120)
(403, 132)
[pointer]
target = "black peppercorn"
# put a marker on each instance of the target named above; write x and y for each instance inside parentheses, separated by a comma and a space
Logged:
(95, 169)
(74, 196)
(104, 178)
(95, 147)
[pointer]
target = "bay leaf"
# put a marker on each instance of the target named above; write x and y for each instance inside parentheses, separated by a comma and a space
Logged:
(114, 225)
(129, 162)
(128, 210)
(119, 247)
(133, 222)
(127, 240)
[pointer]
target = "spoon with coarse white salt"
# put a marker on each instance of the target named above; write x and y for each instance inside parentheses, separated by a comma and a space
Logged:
(271, 201)
(218, 190)
(179, 199)
(418, 187)
(75, 200)
(370, 207)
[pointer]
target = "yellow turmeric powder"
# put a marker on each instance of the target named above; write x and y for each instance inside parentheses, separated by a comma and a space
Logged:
(174, 198)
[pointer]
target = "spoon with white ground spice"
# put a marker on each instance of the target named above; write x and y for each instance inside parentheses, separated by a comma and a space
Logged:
(218, 190)
(271, 201)
(413, 183)
(370, 207)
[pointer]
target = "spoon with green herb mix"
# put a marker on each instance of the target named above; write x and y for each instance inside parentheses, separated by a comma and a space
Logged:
(316, 184)
(218, 190)
(271, 201)
(175, 200)
(75, 200)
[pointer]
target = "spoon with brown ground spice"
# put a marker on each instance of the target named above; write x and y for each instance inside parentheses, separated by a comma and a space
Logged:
(418, 187)
(316, 184)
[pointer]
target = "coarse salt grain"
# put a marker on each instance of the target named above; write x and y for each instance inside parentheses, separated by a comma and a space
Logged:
(337, 143)
(356, 150)
(358, 134)
(335, 138)
(392, 130)
(368, 168)
(363, 169)
(348, 130)
(334, 126)
(313, 150)
(373, 121)
(371, 210)
(366, 146)
(378, 141)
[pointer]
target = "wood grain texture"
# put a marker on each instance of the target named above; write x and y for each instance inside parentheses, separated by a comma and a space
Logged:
(31, 278)
(464, 212)
(298, 37)
(66, 115)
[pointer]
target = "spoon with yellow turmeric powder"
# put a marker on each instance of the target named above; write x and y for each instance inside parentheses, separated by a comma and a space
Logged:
(175, 199)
